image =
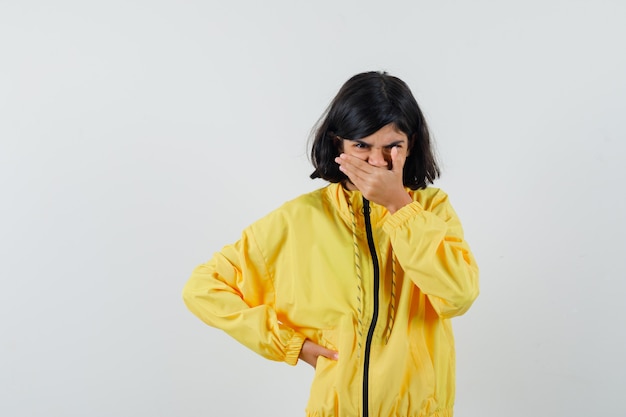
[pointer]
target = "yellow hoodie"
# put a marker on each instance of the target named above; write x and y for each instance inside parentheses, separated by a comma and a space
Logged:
(378, 288)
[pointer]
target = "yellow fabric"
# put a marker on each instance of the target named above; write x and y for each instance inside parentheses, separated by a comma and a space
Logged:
(292, 276)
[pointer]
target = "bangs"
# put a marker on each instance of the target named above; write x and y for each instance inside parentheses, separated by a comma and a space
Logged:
(365, 116)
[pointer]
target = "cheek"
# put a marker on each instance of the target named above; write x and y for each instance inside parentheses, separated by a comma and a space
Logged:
(402, 152)
(361, 154)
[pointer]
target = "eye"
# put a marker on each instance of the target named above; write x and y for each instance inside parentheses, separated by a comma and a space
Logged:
(390, 147)
(361, 145)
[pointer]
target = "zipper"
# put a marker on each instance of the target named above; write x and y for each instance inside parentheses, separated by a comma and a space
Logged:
(370, 332)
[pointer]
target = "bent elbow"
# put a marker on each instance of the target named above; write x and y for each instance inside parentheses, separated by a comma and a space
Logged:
(193, 295)
(461, 299)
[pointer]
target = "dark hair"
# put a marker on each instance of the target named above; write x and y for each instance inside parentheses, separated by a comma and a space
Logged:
(364, 104)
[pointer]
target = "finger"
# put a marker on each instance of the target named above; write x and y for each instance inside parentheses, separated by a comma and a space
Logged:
(330, 354)
(347, 166)
(353, 163)
(311, 351)
(397, 160)
(356, 169)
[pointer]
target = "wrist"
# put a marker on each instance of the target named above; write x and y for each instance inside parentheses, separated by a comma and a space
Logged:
(402, 200)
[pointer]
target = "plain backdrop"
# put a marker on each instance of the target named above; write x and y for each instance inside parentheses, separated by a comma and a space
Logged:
(139, 137)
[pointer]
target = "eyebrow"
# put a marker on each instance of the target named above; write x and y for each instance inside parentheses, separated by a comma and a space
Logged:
(390, 145)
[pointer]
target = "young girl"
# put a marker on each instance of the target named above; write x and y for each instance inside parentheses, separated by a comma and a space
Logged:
(360, 278)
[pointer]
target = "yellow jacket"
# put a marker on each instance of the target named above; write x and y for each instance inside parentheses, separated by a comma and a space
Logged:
(382, 296)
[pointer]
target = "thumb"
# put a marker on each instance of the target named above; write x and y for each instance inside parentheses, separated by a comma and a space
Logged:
(397, 161)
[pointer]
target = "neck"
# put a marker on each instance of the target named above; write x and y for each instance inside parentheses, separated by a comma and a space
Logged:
(349, 186)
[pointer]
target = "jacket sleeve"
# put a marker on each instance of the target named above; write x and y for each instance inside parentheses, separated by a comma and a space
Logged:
(427, 239)
(234, 292)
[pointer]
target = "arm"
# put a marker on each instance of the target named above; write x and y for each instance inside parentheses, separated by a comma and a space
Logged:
(428, 242)
(234, 292)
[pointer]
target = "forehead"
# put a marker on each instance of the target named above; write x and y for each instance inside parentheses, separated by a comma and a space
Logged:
(385, 135)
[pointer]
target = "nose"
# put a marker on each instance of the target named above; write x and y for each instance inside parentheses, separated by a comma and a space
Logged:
(379, 158)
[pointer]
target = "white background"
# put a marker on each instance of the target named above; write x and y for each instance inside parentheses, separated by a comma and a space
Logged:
(139, 137)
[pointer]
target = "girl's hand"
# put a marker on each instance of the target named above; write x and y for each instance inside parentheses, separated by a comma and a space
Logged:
(380, 185)
(311, 351)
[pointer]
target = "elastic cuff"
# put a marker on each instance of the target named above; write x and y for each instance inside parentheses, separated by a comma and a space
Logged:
(402, 215)
(293, 349)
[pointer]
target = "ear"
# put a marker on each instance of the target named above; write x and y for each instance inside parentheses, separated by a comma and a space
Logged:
(338, 142)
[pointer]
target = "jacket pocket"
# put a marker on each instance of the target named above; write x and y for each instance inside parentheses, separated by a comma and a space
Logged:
(422, 361)
(323, 395)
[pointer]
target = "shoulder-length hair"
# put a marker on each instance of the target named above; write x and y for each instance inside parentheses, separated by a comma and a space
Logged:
(364, 104)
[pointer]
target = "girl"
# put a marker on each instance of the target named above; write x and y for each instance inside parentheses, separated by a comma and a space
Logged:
(360, 278)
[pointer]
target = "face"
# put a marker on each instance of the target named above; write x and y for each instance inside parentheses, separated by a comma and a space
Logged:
(376, 148)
